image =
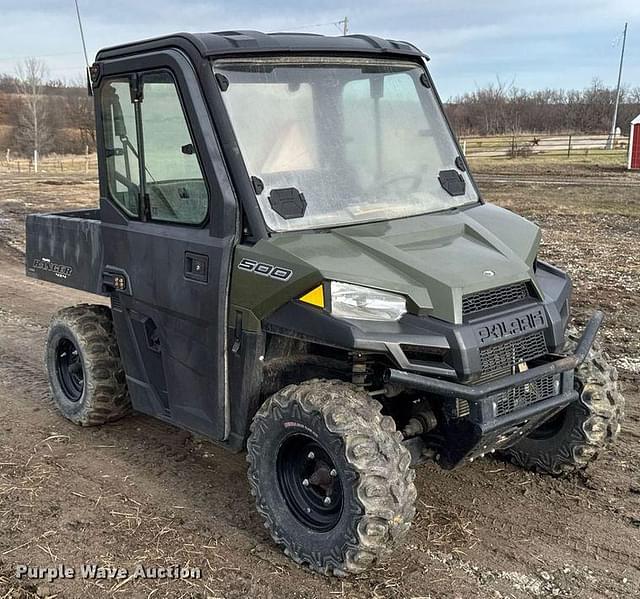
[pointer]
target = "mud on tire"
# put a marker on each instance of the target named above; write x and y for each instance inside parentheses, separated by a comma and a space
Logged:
(575, 437)
(82, 358)
(368, 461)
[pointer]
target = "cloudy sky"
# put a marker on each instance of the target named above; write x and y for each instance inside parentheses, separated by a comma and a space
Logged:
(544, 43)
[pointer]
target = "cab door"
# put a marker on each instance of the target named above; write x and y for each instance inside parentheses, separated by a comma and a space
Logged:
(168, 229)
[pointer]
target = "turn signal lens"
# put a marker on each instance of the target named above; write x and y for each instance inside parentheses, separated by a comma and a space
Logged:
(315, 297)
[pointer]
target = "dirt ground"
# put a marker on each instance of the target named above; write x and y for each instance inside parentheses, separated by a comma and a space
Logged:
(142, 491)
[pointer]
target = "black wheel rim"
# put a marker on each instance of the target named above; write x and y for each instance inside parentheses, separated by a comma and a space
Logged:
(69, 369)
(310, 483)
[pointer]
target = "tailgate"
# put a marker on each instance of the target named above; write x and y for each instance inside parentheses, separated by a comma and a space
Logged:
(66, 248)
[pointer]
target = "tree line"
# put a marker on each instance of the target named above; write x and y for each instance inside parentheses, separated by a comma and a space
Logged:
(504, 109)
(38, 113)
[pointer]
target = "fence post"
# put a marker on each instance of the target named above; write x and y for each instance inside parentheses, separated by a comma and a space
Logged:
(569, 147)
(86, 159)
(35, 161)
(464, 147)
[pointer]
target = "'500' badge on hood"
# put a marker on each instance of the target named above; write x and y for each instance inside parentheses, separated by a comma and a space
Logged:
(266, 270)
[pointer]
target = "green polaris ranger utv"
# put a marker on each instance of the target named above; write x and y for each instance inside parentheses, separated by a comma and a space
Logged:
(299, 264)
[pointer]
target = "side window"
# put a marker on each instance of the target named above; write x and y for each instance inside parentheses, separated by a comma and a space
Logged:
(121, 145)
(173, 179)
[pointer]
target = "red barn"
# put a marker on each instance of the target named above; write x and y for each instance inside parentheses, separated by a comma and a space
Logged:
(634, 143)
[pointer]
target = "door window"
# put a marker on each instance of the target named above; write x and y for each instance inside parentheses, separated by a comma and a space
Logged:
(173, 179)
(169, 180)
(121, 146)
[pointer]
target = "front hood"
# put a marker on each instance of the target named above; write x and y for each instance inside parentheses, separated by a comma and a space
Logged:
(432, 259)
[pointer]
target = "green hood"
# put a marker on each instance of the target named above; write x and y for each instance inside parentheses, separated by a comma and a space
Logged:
(432, 259)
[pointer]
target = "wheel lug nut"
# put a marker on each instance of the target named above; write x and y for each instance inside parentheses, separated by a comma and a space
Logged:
(305, 482)
(333, 472)
(311, 455)
(327, 500)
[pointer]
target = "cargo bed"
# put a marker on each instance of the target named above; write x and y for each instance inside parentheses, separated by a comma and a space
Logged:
(66, 248)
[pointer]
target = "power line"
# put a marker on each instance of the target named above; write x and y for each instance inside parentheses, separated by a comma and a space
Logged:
(342, 25)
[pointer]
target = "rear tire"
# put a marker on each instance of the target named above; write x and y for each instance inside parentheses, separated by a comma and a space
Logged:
(331, 477)
(83, 363)
(575, 437)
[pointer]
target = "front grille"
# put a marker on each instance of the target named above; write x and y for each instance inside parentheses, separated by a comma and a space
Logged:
(500, 359)
(492, 298)
(518, 397)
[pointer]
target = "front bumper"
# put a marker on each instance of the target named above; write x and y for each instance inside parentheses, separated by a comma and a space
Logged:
(484, 428)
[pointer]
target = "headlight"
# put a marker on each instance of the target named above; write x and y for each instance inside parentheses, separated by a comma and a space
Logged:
(363, 303)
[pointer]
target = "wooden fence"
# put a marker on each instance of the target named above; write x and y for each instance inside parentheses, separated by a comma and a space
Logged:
(52, 163)
(528, 144)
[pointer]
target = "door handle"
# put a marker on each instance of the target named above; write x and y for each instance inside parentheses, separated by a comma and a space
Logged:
(196, 267)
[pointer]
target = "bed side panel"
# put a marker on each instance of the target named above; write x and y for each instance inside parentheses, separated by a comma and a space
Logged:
(66, 249)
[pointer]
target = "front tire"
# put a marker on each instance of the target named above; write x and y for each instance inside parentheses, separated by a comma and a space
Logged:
(86, 377)
(331, 477)
(575, 437)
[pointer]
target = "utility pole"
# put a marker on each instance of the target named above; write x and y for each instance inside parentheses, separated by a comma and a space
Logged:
(612, 136)
(345, 25)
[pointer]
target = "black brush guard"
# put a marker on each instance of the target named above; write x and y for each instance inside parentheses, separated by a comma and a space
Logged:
(482, 430)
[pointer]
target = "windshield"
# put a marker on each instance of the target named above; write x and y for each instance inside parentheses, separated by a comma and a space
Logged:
(331, 141)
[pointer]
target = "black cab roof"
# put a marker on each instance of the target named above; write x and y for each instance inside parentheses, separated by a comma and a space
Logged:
(239, 43)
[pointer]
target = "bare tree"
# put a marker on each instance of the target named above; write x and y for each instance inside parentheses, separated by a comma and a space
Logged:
(503, 109)
(33, 130)
(79, 113)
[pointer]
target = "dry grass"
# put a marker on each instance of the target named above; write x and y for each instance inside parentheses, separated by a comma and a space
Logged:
(594, 164)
